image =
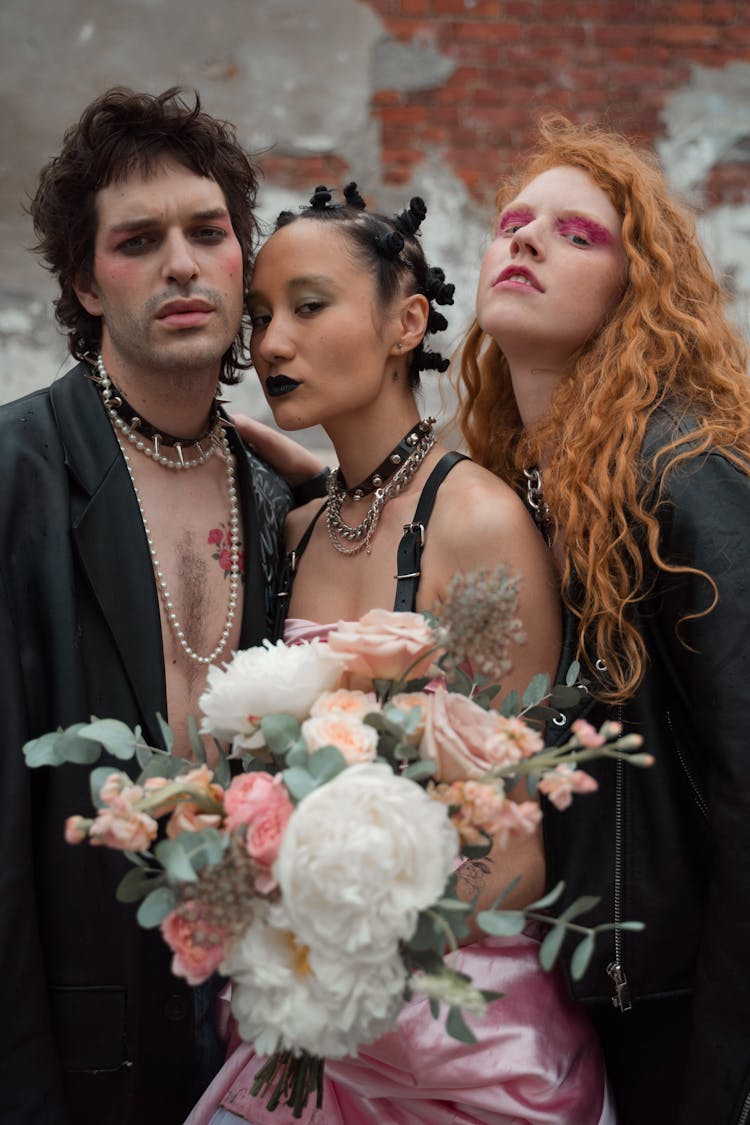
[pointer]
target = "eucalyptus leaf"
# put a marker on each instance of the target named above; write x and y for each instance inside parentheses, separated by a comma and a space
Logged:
(489, 995)
(417, 771)
(326, 763)
(298, 783)
(222, 772)
(197, 744)
(434, 1007)
(298, 756)
(548, 899)
(541, 713)
(551, 945)
(204, 848)
(281, 733)
(138, 859)
(167, 733)
(405, 752)
(635, 927)
(427, 935)
(477, 851)
(44, 751)
(379, 720)
(581, 905)
(137, 884)
(579, 962)
(511, 705)
(501, 923)
(116, 738)
(155, 907)
(144, 755)
(573, 673)
(485, 695)
(162, 765)
(537, 690)
(177, 864)
(564, 696)
(457, 1027)
(460, 682)
(453, 904)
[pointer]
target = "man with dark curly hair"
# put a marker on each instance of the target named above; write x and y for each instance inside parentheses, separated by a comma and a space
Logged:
(138, 544)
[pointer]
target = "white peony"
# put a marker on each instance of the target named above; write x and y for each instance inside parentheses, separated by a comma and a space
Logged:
(267, 680)
(288, 996)
(360, 857)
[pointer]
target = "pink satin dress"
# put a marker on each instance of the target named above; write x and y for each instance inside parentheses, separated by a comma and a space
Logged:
(537, 1060)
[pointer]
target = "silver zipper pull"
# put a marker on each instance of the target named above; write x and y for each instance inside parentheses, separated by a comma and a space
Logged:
(621, 998)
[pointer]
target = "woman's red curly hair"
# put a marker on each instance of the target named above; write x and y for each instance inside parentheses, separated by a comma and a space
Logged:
(668, 338)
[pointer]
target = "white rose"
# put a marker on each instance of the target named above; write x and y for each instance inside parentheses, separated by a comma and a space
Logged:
(267, 680)
(286, 995)
(360, 857)
(357, 741)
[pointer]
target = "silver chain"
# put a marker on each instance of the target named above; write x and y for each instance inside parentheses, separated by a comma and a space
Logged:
(537, 503)
(351, 540)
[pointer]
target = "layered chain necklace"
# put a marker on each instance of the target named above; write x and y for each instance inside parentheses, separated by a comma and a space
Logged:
(391, 477)
(139, 433)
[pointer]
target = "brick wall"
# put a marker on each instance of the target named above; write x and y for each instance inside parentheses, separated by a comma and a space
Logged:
(608, 60)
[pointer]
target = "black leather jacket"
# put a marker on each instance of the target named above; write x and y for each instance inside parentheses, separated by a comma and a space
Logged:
(670, 846)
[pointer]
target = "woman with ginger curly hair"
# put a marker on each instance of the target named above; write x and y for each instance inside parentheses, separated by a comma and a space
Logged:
(604, 382)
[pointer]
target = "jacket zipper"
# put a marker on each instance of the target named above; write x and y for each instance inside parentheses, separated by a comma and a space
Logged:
(744, 1112)
(615, 970)
(699, 798)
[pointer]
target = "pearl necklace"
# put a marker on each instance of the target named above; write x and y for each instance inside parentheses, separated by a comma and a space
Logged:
(152, 447)
(218, 441)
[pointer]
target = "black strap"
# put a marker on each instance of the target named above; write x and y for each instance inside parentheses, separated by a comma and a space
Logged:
(412, 542)
(287, 574)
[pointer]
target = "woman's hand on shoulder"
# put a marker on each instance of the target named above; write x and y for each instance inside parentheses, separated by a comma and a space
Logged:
(290, 459)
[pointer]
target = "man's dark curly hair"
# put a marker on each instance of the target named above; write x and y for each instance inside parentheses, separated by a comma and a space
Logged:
(122, 132)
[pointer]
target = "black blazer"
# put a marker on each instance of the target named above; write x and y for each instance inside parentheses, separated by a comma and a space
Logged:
(93, 1025)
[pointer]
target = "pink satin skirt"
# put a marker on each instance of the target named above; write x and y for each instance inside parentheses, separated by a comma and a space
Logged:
(537, 1061)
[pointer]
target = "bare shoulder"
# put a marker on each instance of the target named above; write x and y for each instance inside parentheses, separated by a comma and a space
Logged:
(298, 520)
(473, 501)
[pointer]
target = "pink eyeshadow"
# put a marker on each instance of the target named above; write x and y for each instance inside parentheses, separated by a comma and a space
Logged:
(593, 231)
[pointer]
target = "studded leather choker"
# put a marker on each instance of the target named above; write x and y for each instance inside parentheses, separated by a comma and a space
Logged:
(389, 465)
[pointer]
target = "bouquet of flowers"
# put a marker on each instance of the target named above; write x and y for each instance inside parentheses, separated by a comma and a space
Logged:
(319, 874)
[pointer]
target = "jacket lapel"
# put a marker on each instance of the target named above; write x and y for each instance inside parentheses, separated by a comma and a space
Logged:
(108, 534)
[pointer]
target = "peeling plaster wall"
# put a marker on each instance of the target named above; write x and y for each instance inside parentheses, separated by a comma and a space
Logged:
(370, 91)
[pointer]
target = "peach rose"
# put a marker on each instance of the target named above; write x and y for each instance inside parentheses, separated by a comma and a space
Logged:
(355, 703)
(385, 645)
(197, 943)
(463, 739)
(357, 741)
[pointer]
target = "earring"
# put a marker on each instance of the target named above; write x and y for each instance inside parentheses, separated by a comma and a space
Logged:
(395, 376)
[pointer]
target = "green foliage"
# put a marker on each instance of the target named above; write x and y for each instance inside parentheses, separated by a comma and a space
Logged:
(138, 882)
(511, 705)
(166, 732)
(281, 733)
(457, 1027)
(155, 907)
(196, 742)
(117, 738)
(537, 690)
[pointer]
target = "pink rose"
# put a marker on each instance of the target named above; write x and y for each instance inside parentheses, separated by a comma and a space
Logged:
(260, 803)
(465, 741)
(131, 832)
(197, 943)
(562, 782)
(384, 645)
(215, 535)
(357, 741)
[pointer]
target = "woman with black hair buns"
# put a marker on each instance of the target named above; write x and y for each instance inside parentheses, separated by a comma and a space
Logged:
(341, 301)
